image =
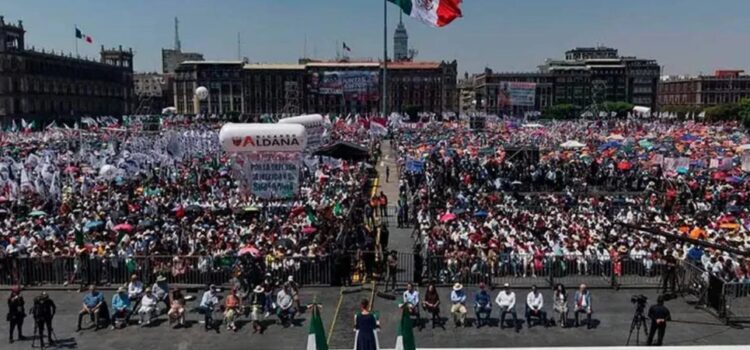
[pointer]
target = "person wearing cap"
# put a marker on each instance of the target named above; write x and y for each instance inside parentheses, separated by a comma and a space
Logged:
(206, 307)
(93, 303)
(294, 289)
(506, 300)
(582, 302)
(534, 305)
(232, 307)
(285, 303)
(147, 311)
(120, 307)
(44, 310)
(160, 290)
(482, 305)
(257, 300)
(458, 307)
(16, 313)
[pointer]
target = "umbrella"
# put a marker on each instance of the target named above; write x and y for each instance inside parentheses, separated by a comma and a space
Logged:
(729, 226)
(481, 214)
(251, 209)
(459, 211)
(624, 165)
(719, 175)
(646, 144)
(734, 179)
(36, 213)
(147, 224)
(193, 209)
(3, 199)
(248, 250)
(572, 144)
(615, 137)
(93, 224)
(447, 217)
(743, 148)
(309, 229)
(71, 169)
(123, 227)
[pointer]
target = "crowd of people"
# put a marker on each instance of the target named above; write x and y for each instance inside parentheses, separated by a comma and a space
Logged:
(95, 206)
(528, 199)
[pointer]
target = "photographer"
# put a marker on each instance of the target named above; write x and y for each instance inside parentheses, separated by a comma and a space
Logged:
(659, 315)
(16, 313)
(44, 310)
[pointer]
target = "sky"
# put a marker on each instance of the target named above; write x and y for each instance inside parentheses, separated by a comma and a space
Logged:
(685, 36)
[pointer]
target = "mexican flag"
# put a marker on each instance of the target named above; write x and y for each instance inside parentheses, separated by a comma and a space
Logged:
(436, 13)
(405, 336)
(316, 337)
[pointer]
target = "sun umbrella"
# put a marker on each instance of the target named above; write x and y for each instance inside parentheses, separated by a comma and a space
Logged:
(480, 214)
(93, 224)
(193, 209)
(447, 217)
(729, 226)
(572, 144)
(645, 144)
(3, 199)
(123, 227)
(248, 250)
(734, 180)
(37, 213)
(71, 169)
(624, 165)
(719, 175)
(615, 137)
(743, 148)
(309, 229)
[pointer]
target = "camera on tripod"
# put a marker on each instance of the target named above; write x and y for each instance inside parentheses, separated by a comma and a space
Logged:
(640, 300)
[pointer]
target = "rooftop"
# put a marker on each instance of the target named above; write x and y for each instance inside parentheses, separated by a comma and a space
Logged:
(272, 66)
(213, 62)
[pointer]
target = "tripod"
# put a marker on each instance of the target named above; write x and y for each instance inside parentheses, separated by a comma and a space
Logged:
(51, 334)
(639, 320)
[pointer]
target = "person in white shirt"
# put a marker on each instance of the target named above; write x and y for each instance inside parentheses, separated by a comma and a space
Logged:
(411, 301)
(135, 288)
(458, 304)
(534, 305)
(506, 300)
(147, 311)
(206, 307)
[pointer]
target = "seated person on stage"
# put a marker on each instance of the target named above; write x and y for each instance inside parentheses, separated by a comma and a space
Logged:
(120, 308)
(482, 305)
(431, 304)
(177, 310)
(534, 305)
(232, 306)
(506, 300)
(93, 303)
(411, 301)
(206, 307)
(160, 291)
(285, 303)
(583, 305)
(147, 310)
(458, 307)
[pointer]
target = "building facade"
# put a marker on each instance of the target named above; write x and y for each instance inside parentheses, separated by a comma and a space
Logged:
(316, 87)
(172, 58)
(35, 84)
(586, 78)
(150, 93)
(725, 86)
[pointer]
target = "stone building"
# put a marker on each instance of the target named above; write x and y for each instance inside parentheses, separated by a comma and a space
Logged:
(37, 84)
(725, 86)
(317, 87)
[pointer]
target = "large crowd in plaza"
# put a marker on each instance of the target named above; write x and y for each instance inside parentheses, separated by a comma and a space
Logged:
(482, 206)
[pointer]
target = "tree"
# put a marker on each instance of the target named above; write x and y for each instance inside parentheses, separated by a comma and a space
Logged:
(744, 112)
(561, 111)
(619, 107)
(723, 112)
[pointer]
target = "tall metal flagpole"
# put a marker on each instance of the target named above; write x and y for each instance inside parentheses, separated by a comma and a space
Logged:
(385, 59)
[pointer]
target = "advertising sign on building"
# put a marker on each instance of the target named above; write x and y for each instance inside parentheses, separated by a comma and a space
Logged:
(512, 93)
(361, 85)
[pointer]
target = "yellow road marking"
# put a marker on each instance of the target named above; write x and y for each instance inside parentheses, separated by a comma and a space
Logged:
(335, 315)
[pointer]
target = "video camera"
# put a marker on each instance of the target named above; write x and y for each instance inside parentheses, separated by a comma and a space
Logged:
(640, 300)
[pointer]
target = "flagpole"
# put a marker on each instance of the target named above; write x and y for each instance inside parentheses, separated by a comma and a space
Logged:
(385, 58)
(76, 43)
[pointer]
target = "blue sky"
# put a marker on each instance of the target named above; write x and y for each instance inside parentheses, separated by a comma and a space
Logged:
(686, 36)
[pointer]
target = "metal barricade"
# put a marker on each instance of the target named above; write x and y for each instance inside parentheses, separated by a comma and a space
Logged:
(736, 302)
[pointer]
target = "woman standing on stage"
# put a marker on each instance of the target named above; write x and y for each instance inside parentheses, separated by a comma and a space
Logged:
(366, 326)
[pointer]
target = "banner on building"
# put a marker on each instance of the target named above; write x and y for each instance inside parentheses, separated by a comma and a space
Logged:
(355, 85)
(511, 93)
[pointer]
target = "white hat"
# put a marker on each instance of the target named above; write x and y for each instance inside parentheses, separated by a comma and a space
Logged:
(458, 287)
(506, 285)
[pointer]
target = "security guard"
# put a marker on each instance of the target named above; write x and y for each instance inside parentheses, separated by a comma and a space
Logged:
(43, 311)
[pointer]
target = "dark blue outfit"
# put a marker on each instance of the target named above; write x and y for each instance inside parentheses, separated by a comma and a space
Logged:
(366, 326)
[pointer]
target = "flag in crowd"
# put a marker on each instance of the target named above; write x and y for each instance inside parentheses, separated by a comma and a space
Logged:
(316, 336)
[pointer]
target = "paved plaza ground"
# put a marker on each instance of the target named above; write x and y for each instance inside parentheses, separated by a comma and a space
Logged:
(613, 313)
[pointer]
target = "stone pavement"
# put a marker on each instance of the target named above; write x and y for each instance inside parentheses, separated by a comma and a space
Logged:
(613, 313)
